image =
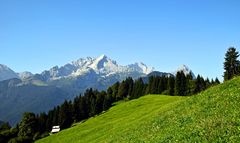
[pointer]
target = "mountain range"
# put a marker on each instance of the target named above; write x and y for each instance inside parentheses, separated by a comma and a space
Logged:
(27, 92)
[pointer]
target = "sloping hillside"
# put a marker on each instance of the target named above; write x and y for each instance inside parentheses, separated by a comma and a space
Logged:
(211, 116)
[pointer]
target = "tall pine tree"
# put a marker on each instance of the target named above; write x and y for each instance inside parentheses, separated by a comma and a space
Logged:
(171, 85)
(181, 84)
(231, 64)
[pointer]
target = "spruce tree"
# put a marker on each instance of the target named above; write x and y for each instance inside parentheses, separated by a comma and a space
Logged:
(208, 83)
(130, 82)
(42, 119)
(217, 81)
(197, 84)
(76, 108)
(138, 89)
(171, 85)
(122, 90)
(162, 84)
(56, 118)
(178, 83)
(84, 108)
(49, 122)
(100, 101)
(231, 64)
(115, 90)
(27, 126)
(189, 84)
(110, 95)
(184, 84)
(150, 85)
(212, 82)
(65, 115)
(181, 84)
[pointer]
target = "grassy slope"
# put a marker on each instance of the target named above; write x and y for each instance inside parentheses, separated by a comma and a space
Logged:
(211, 116)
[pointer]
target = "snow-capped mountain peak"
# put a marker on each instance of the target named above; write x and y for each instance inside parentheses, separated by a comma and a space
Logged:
(186, 70)
(145, 68)
(101, 62)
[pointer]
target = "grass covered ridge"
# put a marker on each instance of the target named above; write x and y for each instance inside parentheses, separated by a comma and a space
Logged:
(211, 116)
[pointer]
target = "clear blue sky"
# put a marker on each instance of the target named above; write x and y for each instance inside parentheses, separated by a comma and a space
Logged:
(38, 34)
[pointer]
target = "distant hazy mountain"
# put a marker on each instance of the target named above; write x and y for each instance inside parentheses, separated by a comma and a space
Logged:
(17, 98)
(6, 73)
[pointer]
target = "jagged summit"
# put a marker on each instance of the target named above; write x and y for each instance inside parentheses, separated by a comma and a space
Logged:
(103, 62)
(102, 66)
(7, 73)
(25, 75)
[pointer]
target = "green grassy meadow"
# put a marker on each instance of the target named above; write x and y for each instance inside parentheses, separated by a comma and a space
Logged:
(211, 116)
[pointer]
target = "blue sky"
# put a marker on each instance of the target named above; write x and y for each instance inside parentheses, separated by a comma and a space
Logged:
(38, 34)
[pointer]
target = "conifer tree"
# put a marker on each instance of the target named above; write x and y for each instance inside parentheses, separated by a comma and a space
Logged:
(115, 88)
(56, 118)
(84, 108)
(180, 84)
(217, 81)
(138, 88)
(150, 85)
(65, 115)
(130, 82)
(231, 64)
(171, 85)
(27, 126)
(207, 82)
(76, 108)
(49, 122)
(122, 90)
(197, 85)
(99, 101)
(212, 82)
(189, 84)
(42, 119)
(162, 84)
(110, 95)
